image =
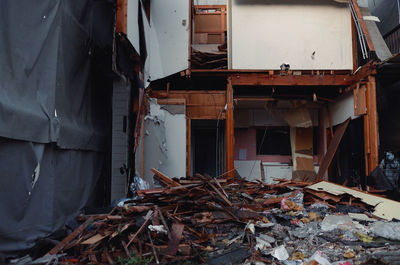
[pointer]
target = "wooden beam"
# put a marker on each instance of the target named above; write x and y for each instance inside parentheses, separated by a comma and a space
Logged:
(121, 17)
(371, 133)
(229, 131)
(363, 25)
(290, 80)
(365, 71)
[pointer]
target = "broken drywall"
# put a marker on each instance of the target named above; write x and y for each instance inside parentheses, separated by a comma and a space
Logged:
(163, 144)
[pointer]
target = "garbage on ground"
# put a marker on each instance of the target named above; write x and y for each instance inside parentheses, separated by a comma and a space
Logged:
(222, 221)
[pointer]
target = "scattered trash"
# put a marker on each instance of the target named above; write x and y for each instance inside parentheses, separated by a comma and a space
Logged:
(386, 230)
(280, 253)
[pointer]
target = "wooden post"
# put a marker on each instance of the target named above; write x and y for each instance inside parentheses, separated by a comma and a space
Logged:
(371, 133)
(229, 130)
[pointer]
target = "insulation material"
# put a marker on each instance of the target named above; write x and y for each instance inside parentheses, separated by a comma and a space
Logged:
(163, 146)
(249, 169)
(384, 208)
(306, 34)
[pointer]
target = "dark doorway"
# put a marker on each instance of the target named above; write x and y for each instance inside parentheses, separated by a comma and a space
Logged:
(208, 147)
(348, 164)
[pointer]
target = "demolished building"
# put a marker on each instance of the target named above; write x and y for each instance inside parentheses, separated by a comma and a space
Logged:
(232, 86)
(272, 91)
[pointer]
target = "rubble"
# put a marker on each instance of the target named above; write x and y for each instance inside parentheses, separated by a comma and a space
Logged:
(201, 220)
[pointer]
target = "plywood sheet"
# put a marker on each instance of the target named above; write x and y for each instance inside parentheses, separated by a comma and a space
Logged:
(207, 23)
(384, 208)
(304, 141)
(360, 103)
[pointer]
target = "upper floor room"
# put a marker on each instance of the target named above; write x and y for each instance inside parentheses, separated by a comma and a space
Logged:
(234, 35)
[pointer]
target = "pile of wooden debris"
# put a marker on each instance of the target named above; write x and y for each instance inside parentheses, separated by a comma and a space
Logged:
(218, 221)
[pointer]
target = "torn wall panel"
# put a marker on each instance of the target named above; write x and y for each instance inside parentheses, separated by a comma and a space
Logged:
(162, 143)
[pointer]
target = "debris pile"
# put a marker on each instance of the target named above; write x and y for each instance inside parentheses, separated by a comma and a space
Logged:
(200, 220)
(207, 60)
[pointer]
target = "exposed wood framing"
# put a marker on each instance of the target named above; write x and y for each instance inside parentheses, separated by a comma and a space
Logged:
(290, 80)
(371, 135)
(122, 14)
(200, 104)
(229, 131)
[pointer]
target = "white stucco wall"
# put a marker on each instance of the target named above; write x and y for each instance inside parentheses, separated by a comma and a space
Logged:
(267, 33)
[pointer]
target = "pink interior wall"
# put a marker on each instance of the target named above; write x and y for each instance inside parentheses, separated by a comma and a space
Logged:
(246, 139)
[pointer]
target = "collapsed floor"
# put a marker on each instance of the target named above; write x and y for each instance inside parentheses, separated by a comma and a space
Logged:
(218, 221)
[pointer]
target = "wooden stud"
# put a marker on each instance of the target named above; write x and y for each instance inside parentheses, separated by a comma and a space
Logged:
(121, 17)
(223, 24)
(371, 132)
(229, 131)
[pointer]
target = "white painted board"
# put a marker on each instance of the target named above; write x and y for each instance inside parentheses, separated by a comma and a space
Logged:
(266, 33)
(132, 27)
(169, 38)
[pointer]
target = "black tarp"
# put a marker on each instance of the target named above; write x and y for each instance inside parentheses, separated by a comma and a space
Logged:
(388, 13)
(55, 106)
(46, 94)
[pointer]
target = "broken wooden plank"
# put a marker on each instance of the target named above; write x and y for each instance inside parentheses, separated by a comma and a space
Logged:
(70, 237)
(176, 235)
(333, 146)
(166, 180)
(144, 225)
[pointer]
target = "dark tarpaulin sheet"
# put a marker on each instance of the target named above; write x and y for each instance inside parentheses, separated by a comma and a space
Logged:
(46, 93)
(388, 13)
(32, 207)
(55, 102)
